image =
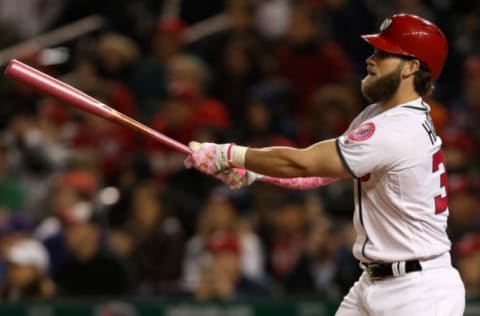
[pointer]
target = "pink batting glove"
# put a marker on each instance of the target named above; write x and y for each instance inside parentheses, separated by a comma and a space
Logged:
(209, 158)
(235, 178)
(212, 159)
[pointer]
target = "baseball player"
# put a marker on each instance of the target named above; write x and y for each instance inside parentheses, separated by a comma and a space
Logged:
(395, 158)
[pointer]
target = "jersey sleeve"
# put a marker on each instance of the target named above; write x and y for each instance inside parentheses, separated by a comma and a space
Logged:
(368, 148)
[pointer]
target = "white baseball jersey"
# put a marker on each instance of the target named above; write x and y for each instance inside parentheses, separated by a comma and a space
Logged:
(401, 206)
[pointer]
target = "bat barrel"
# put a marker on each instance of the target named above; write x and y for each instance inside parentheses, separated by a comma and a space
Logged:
(50, 86)
(66, 93)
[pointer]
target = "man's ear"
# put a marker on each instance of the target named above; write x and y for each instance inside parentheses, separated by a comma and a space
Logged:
(410, 67)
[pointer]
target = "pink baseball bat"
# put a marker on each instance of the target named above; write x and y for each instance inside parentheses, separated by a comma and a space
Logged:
(68, 94)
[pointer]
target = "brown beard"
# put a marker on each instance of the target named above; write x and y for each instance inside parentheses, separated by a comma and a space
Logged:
(383, 88)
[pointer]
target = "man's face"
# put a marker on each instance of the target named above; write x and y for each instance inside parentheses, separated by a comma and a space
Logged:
(21, 276)
(383, 77)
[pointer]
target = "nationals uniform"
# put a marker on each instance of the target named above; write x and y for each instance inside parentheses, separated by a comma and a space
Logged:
(401, 211)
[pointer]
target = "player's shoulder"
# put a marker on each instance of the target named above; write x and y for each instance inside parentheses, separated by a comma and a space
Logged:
(366, 114)
(417, 108)
(401, 122)
(403, 117)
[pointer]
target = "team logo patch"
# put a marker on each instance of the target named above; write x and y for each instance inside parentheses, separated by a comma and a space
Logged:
(385, 24)
(362, 133)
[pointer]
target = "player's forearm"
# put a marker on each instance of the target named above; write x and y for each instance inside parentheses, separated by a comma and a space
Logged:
(318, 160)
(281, 162)
(239, 166)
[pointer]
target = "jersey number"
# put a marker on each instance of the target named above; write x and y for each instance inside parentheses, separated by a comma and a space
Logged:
(441, 203)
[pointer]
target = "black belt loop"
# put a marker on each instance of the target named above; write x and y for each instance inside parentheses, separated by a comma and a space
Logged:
(378, 271)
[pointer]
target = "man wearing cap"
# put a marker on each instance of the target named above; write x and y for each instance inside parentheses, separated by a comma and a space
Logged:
(394, 156)
(27, 276)
(221, 276)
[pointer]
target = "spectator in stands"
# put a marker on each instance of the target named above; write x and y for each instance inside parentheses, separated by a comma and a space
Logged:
(187, 111)
(90, 270)
(331, 267)
(39, 153)
(74, 190)
(153, 241)
(308, 59)
(464, 28)
(105, 141)
(18, 99)
(135, 170)
(240, 24)
(458, 148)
(220, 217)
(13, 227)
(465, 110)
(117, 57)
(381, 9)
(464, 204)
(271, 18)
(467, 254)
(87, 75)
(267, 117)
(286, 239)
(241, 66)
(12, 193)
(221, 274)
(30, 17)
(149, 82)
(27, 272)
(346, 21)
(330, 111)
(90, 135)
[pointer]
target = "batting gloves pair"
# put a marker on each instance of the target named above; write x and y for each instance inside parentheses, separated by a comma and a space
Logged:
(223, 161)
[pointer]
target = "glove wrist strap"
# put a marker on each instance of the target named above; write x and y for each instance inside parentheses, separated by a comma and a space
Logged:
(236, 155)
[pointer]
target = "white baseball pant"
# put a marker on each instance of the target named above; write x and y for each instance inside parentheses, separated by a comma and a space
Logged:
(437, 290)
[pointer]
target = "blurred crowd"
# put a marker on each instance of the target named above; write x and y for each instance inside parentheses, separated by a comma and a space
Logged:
(89, 208)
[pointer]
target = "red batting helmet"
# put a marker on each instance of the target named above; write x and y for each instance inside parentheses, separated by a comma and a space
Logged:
(410, 35)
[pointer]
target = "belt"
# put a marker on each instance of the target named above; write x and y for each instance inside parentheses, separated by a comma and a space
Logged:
(378, 271)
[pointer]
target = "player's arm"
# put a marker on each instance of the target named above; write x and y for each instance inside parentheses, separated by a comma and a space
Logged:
(306, 168)
(321, 159)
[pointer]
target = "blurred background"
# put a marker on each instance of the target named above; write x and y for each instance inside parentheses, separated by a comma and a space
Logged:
(98, 220)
